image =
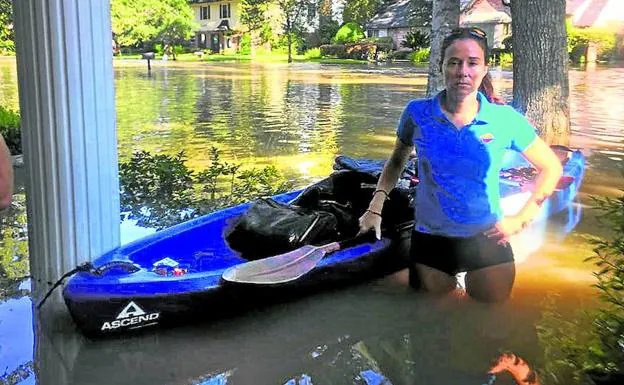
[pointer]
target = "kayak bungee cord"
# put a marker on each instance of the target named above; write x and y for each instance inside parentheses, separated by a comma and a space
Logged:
(89, 268)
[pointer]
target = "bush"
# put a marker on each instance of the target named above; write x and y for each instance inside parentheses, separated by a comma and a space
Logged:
(10, 130)
(348, 33)
(420, 56)
(7, 47)
(506, 59)
(609, 262)
(357, 51)
(415, 39)
(245, 44)
(579, 39)
(313, 53)
(159, 50)
(160, 190)
(381, 40)
(400, 55)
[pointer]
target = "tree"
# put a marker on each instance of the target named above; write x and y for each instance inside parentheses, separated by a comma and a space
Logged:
(135, 22)
(444, 19)
(7, 32)
(254, 16)
(327, 26)
(540, 74)
(361, 11)
(421, 12)
(293, 12)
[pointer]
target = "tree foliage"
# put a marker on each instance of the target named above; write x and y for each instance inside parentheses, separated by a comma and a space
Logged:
(420, 13)
(294, 14)
(253, 13)
(7, 32)
(361, 11)
(135, 22)
(348, 33)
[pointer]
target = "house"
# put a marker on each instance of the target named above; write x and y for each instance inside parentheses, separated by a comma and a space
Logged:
(217, 19)
(492, 16)
(607, 14)
(395, 22)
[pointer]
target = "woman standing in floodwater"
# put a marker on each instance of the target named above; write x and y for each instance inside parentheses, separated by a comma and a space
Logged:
(460, 136)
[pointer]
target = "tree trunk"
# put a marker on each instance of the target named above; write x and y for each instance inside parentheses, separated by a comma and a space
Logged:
(445, 18)
(540, 66)
(289, 36)
(253, 42)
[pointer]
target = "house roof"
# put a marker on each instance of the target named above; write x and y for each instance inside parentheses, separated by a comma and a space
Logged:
(573, 5)
(585, 13)
(396, 15)
(485, 11)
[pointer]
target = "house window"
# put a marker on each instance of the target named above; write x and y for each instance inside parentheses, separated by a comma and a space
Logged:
(204, 13)
(224, 11)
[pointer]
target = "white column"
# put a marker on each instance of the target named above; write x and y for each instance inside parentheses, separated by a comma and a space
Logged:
(65, 77)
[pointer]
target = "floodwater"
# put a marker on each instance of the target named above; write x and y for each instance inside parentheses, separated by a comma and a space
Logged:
(298, 118)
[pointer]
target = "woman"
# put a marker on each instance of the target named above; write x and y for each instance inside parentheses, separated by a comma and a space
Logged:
(460, 136)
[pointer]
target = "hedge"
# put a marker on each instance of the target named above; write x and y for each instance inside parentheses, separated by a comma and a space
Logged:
(357, 51)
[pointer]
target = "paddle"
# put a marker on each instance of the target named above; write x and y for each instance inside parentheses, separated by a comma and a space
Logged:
(288, 266)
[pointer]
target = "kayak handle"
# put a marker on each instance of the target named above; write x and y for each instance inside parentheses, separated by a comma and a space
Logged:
(126, 266)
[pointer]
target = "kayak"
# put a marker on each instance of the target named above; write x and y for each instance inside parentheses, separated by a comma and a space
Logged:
(174, 276)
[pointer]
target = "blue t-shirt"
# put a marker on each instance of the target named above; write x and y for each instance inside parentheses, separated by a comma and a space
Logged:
(458, 194)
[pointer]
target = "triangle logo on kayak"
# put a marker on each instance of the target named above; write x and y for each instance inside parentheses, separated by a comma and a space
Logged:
(131, 310)
(131, 317)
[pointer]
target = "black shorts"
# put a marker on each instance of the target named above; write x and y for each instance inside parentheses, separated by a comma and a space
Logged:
(453, 255)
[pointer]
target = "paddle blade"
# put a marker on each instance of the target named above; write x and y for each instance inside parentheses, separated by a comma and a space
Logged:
(278, 269)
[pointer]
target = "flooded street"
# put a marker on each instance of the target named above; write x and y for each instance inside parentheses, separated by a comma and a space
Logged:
(298, 118)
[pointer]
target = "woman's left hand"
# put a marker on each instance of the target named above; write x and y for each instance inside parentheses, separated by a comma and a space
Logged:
(505, 228)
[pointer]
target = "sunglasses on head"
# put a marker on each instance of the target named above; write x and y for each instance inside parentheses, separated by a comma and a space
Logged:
(474, 31)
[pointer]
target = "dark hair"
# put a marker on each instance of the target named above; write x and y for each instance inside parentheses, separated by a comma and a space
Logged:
(478, 35)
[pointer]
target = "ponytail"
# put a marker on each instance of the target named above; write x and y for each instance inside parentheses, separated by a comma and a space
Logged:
(487, 88)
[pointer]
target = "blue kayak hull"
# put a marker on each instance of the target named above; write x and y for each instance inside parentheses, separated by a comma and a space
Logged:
(120, 301)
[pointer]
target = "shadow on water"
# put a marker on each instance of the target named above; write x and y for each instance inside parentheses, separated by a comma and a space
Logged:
(378, 333)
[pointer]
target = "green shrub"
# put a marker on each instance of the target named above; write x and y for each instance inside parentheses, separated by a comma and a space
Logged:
(420, 56)
(400, 55)
(357, 51)
(179, 49)
(580, 38)
(313, 53)
(7, 47)
(159, 50)
(160, 190)
(245, 44)
(505, 59)
(609, 261)
(590, 341)
(10, 130)
(415, 40)
(348, 33)
(381, 40)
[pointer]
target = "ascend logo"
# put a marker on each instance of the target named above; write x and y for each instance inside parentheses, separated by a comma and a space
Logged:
(131, 315)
